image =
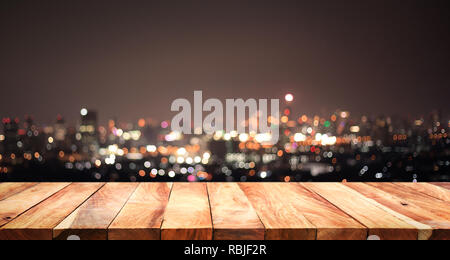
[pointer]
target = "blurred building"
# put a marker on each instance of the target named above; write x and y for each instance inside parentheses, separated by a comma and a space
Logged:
(11, 138)
(88, 131)
(60, 129)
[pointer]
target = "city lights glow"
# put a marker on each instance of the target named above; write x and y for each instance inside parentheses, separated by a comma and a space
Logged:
(263, 138)
(173, 136)
(299, 137)
(263, 175)
(318, 144)
(355, 129)
(206, 156)
(147, 164)
(289, 97)
(227, 137)
(181, 151)
(151, 148)
(84, 112)
(243, 137)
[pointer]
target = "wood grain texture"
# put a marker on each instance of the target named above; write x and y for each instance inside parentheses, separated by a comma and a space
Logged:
(439, 227)
(445, 185)
(142, 216)
(188, 215)
(380, 222)
(232, 214)
(331, 222)
(281, 218)
(91, 220)
(38, 222)
(426, 202)
(224, 211)
(15, 205)
(428, 189)
(10, 188)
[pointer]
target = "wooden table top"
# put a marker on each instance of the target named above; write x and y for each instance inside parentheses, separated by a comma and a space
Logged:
(224, 211)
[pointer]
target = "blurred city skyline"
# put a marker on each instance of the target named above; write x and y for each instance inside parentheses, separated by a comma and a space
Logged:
(335, 147)
(130, 60)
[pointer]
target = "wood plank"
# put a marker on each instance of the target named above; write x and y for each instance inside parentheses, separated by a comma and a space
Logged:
(439, 227)
(38, 222)
(380, 222)
(232, 214)
(445, 185)
(436, 206)
(91, 220)
(279, 215)
(10, 188)
(142, 216)
(21, 202)
(428, 189)
(188, 215)
(331, 222)
(225, 211)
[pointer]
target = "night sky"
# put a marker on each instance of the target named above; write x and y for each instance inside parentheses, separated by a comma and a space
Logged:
(131, 59)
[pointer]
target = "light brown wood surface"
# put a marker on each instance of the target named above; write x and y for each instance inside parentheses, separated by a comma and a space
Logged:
(380, 222)
(428, 189)
(445, 185)
(200, 211)
(91, 220)
(331, 222)
(426, 202)
(10, 188)
(141, 217)
(439, 227)
(232, 214)
(38, 222)
(15, 205)
(188, 215)
(280, 216)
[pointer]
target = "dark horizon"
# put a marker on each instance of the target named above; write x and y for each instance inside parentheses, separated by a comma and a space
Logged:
(131, 59)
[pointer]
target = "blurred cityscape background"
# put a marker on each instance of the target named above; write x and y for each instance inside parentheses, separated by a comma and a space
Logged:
(329, 147)
(363, 89)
